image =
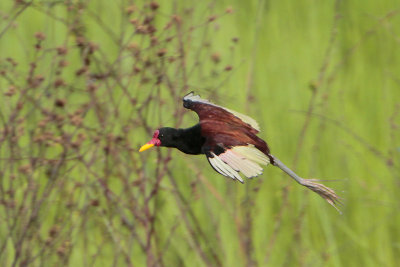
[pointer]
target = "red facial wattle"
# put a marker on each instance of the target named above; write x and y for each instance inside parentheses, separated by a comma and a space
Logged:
(153, 142)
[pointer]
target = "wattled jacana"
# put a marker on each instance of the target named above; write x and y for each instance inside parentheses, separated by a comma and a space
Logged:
(229, 141)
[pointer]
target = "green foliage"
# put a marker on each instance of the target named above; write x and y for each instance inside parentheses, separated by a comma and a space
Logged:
(84, 84)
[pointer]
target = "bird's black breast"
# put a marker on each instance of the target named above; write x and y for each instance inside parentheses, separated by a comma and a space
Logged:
(190, 140)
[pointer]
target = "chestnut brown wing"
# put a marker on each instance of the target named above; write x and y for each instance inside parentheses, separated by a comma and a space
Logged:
(209, 111)
(220, 125)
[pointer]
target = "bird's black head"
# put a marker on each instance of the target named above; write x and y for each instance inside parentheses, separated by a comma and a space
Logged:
(162, 137)
(167, 136)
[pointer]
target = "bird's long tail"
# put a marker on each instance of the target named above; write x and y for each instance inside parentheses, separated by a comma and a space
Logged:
(325, 192)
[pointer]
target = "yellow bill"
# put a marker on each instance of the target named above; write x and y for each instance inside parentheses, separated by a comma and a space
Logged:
(145, 147)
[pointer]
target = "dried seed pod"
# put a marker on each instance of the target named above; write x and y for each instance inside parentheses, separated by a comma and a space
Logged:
(59, 82)
(80, 41)
(134, 22)
(76, 120)
(177, 19)
(153, 41)
(148, 20)
(130, 9)
(95, 202)
(228, 68)
(63, 63)
(216, 57)
(136, 69)
(40, 36)
(133, 46)
(211, 18)
(60, 103)
(161, 52)
(54, 230)
(91, 87)
(62, 50)
(141, 29)
(154, 5)
(11, 91)
(93, 47)
(81, 71)
(229, 10)
(151, 29)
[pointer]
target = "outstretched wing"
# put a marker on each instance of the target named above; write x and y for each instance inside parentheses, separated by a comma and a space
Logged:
(245, 159)
(209, 111)
(232, 146)
(220, 125)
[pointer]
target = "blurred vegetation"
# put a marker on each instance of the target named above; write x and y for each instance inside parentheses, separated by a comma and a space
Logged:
(85, 83)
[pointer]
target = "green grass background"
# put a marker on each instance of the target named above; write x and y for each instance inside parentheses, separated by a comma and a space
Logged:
(285, 54)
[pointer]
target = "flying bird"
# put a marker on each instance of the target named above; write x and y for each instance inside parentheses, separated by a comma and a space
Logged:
(229, 141)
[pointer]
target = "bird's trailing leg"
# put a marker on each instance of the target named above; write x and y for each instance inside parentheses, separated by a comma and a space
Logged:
(325, 192)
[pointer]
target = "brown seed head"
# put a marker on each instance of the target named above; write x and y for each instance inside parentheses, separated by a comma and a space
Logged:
(61, 251)
(60, 103)
(153, 41)
(141, 29)
(136, 69)
(19, 2)
(20, 105)
(229, 10)
(80, 41)
(63, 63)
(36, 81)
(134, 22)
(81, 71)
(154, 5)
(91, 87)
(133, 46)
(93, 47)
(59, 82)
(11, 91)
(54, 230)
(76, 120)
(48, 241)
(211, 18)
(216, 57)
(81, 137)
(228, 68)
(177, 19)
(161, 52)
(95, 202)
(151, 29)
(62, 50)
(40, 36)
(130, 9)
(148, 20)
